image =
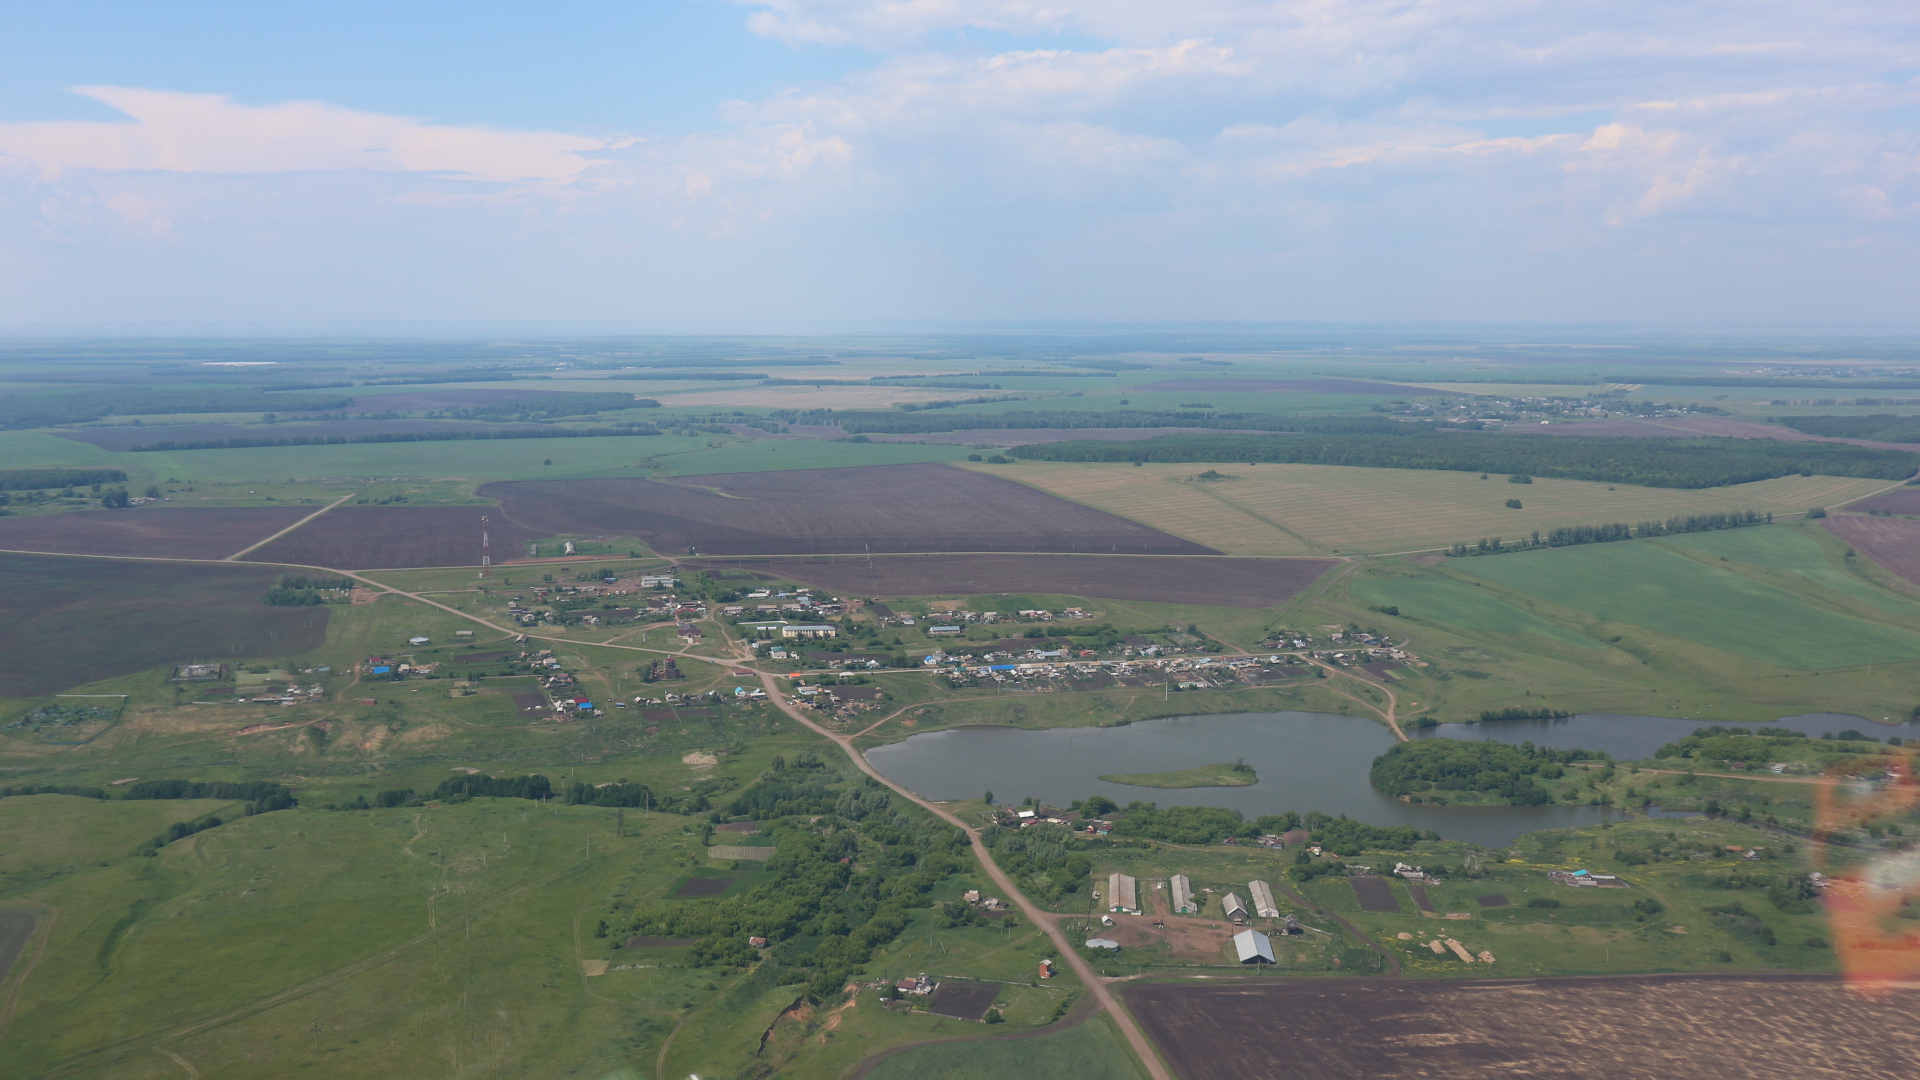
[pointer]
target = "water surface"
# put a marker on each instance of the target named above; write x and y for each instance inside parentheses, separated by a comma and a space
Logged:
(1306, 761)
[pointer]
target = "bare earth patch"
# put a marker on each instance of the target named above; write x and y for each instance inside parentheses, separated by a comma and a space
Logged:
(1736, 1027)
(1892, 542)
(878, 508)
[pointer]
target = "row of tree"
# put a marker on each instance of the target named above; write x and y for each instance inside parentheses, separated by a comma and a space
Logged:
(34, 479)
(1671, 463)
(459, 435)
(79, 406)
(1570, 535)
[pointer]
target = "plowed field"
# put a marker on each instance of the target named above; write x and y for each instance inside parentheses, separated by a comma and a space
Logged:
(882, 508)
(1713, 1027)
(1901, 500)
(393, 537)
(1210, 580)
(1892, 542)
(149, 532)
(65, 622)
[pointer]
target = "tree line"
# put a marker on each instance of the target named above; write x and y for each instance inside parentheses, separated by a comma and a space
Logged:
(1671, 463)
(1875, 428)
(35, 479)
(79, 406)
(922, 422)
(1570, 535)
(243, 442)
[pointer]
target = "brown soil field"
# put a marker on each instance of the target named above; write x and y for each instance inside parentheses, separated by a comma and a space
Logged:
(878, 508)
(964, 1000)
(1374, 893)
(1214, 581)
(125, 436)
(1688, 427)
(704, 886)
(66, 622)
(1654, 1027)
(396, 537)
(1901, 500)
(1204, 385)
(1892, 542)
(149, 532)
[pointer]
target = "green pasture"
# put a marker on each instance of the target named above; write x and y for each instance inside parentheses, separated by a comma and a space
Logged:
(1647, 585)
(1452, 602)
(278, 943)
(1806, 553)
(1092, 1050)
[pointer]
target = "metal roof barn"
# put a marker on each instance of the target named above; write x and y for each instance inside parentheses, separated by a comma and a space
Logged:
(1253, 947)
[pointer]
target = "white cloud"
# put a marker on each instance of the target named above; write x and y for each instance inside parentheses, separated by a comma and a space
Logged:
(210, 133)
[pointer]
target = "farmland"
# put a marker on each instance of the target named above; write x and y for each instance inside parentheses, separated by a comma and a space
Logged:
(1901, 500)
(1204, 580)
(1892, 542)
(1649, 585)
(72, 621)
(395, 924)
(901, 508)
(1321, 509)
(369, 537)
(1663, 1025)
(149, 532)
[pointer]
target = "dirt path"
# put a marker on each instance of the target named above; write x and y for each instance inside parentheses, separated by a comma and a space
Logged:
(1097, 986)
(290, 528)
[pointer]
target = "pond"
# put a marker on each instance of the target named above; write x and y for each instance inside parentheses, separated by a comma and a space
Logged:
(1306, 761)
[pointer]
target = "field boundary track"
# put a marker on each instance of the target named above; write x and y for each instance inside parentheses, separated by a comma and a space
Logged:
(263, 543)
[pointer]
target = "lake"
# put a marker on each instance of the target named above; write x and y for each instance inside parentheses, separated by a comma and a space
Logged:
(1306, 761)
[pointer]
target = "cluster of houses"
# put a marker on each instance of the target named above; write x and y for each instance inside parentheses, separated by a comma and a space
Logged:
(957, 619)
(1048, 670)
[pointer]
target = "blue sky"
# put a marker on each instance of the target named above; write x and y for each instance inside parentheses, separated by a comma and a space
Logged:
(847, 162)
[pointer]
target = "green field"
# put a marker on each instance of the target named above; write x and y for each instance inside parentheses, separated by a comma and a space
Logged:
(1646, 584)
(1459, 603)
(1089, 1051)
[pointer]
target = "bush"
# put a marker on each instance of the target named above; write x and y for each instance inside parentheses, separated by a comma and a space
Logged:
(1543, 902)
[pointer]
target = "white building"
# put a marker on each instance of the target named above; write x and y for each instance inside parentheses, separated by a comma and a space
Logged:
(1183, 896)
(1253, 947)
(1263, 904)
(1123, 894)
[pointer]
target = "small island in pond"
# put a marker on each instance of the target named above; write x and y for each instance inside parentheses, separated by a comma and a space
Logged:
(1219, 774)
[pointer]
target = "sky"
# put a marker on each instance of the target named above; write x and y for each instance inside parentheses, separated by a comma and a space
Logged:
(849, 163)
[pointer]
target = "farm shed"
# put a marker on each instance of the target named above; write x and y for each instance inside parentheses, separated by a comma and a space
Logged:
(1263, 904)
(1233, 908)
(1123, 893)
(1253, 947)
(1183, 896)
